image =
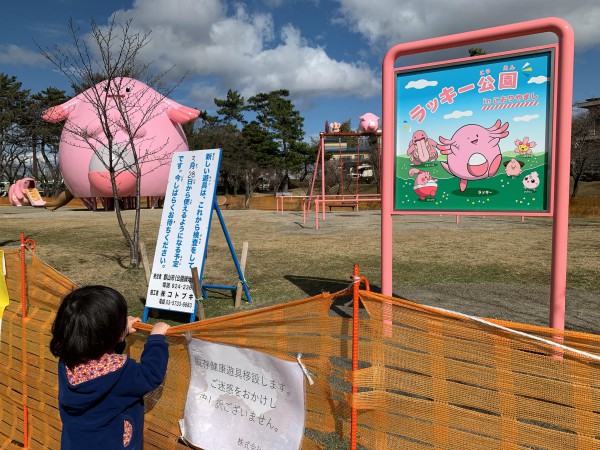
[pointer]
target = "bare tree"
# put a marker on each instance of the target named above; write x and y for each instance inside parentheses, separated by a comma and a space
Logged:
(585, 145)
(14, 105)
(112, 53)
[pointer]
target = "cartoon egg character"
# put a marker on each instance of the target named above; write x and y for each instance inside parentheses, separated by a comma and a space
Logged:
(531, 181)
(369, 123)
(473, 152)
(514, 168)
(154, 123)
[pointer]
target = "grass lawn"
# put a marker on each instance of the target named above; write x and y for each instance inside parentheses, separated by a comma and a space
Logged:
(288, 259)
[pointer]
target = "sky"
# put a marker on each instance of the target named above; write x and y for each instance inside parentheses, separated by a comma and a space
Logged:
(327, 53)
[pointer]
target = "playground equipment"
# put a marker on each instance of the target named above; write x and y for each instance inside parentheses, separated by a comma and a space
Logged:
(154, 121)
(399, 375)
(333, 142)
(24, 192)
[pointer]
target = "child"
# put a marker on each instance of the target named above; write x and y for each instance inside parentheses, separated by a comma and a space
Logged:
(101, 392)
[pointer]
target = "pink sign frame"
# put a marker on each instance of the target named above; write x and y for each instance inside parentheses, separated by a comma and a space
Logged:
(562, 142)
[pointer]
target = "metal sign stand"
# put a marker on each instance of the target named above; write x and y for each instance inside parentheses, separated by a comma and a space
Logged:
(204, 287)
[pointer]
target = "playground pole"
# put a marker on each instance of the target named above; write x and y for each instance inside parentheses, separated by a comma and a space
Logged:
(24, 243)
(322, 173)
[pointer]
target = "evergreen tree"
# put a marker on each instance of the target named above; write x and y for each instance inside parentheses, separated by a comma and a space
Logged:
(231, 108)
(276, 114)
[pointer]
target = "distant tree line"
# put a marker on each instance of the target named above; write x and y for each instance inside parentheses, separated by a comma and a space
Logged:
(262, 139)
(28, 145)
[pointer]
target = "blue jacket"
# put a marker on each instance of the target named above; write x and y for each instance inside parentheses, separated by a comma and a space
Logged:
(93, 412)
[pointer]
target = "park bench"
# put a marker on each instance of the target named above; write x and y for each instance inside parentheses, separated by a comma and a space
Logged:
(353, 205)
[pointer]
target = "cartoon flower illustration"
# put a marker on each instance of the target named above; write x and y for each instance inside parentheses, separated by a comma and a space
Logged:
(524, 146)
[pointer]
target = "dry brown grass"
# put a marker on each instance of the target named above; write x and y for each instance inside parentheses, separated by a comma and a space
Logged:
(436, 261)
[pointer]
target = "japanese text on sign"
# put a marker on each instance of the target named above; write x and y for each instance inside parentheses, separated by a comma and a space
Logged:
(184, 229)
(240, 397)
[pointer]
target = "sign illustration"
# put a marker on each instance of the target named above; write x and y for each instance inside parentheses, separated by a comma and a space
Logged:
(475, 135)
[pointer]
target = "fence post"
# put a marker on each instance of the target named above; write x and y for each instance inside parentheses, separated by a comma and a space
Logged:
(24, 244)
(355, 312)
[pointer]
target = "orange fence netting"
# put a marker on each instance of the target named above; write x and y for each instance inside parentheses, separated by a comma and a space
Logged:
(426, 378)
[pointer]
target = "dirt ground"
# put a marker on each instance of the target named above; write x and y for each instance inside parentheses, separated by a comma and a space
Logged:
(495, 267)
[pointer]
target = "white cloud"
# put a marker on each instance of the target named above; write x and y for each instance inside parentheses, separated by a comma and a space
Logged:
(540, 79)
(240, 50)
(458, 114)
(526, 118)
(420, 84)
(13, 54)
(389, 22)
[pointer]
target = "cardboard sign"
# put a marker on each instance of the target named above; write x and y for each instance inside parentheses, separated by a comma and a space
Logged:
(184, 229)
(240, 398)
(475, 135)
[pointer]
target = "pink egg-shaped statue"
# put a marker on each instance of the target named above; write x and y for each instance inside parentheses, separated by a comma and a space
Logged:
(369, 123)
(154, 127)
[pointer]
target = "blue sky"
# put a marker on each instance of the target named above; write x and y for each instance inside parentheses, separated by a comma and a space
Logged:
(327, 53)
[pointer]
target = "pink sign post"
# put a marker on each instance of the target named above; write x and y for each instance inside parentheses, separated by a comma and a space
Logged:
(559, 135)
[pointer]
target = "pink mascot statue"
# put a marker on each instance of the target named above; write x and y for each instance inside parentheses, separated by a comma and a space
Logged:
(83, 150)
(369, 123)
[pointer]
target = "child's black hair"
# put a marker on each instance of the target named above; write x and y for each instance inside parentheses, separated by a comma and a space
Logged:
(90, 321)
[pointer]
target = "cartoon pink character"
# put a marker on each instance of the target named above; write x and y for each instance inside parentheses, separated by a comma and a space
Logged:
(425, 185)
(335, 127)
(158, 133)
(369, 123)
(473, 152)
(513, 167)
(421, 148)
(524, 146)
(531, 181)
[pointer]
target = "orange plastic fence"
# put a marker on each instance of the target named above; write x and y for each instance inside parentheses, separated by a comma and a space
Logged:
(428, 379)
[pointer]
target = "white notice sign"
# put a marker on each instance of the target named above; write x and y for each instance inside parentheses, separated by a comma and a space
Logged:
(240, 398)
(184, 229)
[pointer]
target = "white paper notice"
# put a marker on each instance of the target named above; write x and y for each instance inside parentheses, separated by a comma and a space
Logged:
(240, 398)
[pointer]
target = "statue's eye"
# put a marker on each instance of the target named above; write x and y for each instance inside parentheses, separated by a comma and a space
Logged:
(128, 89)
(106, 88)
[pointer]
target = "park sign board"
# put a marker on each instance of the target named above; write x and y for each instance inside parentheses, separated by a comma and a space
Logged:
(184, 230)
(475, 135)
(242, 398)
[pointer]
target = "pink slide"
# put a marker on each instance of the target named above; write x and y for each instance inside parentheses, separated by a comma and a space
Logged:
(24, 192)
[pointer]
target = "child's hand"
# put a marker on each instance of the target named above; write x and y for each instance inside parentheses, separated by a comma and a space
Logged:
(130, 321)
(160, 328)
